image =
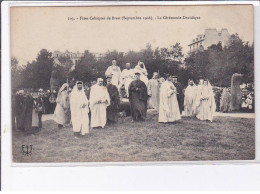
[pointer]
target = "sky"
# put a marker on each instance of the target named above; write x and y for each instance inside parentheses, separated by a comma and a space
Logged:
(35, 28)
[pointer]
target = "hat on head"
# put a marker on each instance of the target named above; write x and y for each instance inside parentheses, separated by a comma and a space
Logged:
(79, 82)
(109, 76)
(174, 76)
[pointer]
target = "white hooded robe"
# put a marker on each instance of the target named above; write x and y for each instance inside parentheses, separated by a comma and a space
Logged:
(189, 100)
(169, 108)
(79, 111)
(98, 109)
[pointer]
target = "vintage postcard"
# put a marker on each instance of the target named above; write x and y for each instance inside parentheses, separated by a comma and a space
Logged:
(132, 83)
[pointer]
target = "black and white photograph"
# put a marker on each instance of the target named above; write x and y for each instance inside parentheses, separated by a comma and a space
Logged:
(132, 83)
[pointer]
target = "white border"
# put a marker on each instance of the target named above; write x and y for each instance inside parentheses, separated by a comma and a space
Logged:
(11, 177)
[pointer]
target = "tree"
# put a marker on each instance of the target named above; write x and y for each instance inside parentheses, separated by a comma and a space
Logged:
(15, 74)
(37, 74)
(63, 70)
(172, 58)
(218, 64)
(87, 68)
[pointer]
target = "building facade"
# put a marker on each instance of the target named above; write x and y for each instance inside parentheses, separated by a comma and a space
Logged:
(75, 57)
(210, 37)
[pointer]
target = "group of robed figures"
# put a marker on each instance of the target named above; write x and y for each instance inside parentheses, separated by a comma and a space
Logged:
(102, 103)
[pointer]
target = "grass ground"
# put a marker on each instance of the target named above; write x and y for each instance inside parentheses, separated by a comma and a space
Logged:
(227, 138)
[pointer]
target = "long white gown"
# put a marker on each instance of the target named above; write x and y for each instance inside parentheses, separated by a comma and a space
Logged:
(169, 108)
(115, 71)
(153, 90)
(79, 111)
(127, 76)
(98, 110)
(189, 100)
(206, 105)
(61, 106)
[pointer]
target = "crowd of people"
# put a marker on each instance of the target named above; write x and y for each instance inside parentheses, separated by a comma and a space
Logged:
(29, 106)
(94, 106)
(223, 98)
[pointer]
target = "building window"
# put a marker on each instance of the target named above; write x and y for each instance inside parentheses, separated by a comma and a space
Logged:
(219, 34)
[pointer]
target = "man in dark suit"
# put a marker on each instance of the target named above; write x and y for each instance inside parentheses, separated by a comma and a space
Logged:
(179, 88)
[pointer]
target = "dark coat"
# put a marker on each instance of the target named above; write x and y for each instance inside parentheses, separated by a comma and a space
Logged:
(114, 106)
(138, 99)
(180, 96)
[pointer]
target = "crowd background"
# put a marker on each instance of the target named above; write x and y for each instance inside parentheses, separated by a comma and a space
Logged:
(41, 78)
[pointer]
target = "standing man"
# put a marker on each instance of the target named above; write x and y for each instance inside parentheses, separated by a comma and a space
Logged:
(169, 109)
(138, 98)
(52, 100)
(40, 107)
(179, 88)
(115, 72)
(99, 101)
(127, 77)
(79, 110)
(154, 92)
(189, 99)
(114, 106)
(27, 112)
(19, 110)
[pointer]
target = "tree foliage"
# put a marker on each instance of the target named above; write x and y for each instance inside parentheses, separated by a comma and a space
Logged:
(218, 64)
(37, 74)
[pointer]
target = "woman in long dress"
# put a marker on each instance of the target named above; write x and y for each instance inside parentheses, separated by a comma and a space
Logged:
(62, 106)
(206, 105)
(168, 109)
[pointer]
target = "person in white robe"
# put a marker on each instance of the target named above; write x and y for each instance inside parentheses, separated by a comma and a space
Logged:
(79, 110)
(161, 80)
(153, 90)
(99, 101)
(115, 72)
(189, 99)
(127, 76)
(62, 106)
(140, 67)
(197, 99)
(225, 101)
(205, 102)
(168, 108)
